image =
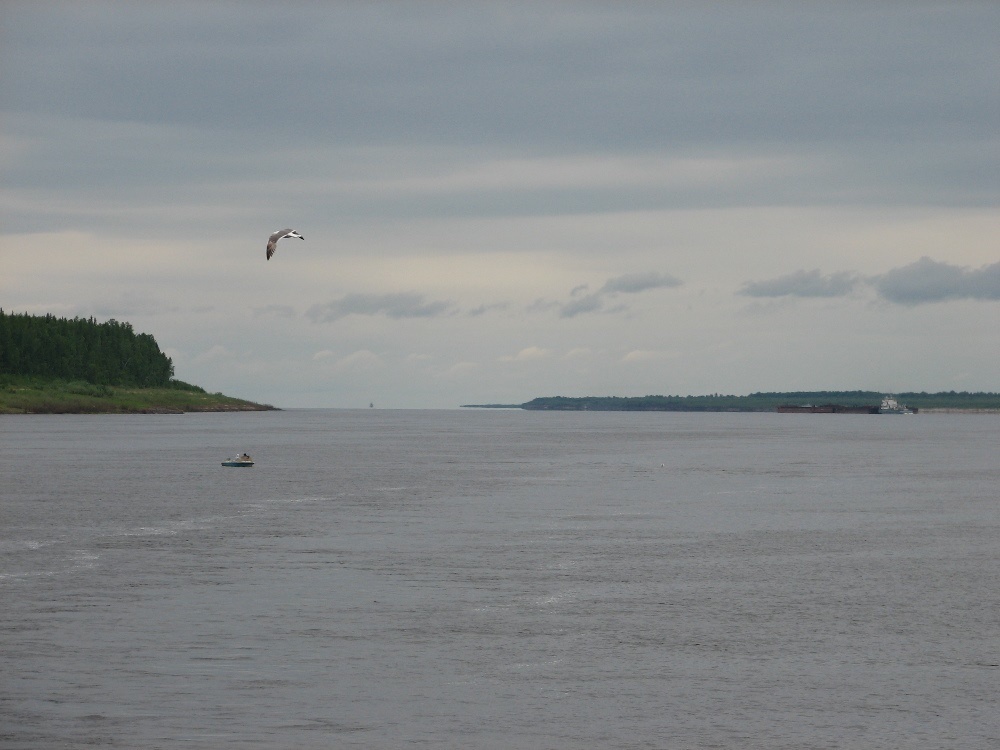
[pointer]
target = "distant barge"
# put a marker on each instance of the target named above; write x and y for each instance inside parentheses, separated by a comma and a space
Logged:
(843, 409)
(826, 409)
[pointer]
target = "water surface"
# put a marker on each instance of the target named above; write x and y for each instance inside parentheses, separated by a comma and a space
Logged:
(499, 579)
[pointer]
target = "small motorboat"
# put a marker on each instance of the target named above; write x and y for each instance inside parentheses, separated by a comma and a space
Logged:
(241, 460)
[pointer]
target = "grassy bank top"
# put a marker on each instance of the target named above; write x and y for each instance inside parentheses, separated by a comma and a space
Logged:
(36, 395)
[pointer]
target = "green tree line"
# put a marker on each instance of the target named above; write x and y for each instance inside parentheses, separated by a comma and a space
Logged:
(108, 353)
(762, 401)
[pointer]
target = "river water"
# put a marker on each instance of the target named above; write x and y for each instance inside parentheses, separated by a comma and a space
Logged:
(500, 579)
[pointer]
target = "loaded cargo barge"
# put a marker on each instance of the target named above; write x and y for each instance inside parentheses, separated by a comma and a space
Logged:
(826, 409)
(889, 405)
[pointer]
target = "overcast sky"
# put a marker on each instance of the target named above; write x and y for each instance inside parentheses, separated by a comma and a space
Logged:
(509, 200)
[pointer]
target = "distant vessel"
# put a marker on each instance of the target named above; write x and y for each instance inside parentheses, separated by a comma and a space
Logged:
(891, 406)
(825, 409)
(241, 460)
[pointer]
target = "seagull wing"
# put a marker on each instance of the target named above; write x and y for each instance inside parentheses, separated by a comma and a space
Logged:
(272, 241)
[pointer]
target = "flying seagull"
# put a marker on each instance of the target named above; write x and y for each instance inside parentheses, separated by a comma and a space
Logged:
(272, 241)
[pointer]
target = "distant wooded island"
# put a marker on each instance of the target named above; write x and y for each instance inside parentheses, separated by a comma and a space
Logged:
(51, 365)
(758, 402)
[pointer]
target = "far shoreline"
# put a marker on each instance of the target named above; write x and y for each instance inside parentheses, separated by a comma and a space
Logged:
(788, 402)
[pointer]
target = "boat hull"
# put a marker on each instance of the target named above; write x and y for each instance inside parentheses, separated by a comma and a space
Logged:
(825, 409)
(237, 463)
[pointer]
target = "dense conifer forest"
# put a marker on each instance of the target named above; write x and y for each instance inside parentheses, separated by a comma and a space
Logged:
(108, 353)
(51, 365)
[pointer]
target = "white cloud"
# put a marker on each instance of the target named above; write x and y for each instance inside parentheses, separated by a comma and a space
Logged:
(528, 354)
(644, 355)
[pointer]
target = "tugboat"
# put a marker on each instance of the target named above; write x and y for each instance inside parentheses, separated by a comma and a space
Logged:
(891, 406)
(241, 460)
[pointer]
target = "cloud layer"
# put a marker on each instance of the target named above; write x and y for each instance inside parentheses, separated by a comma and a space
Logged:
(921, 282)
(804, 284)
(633, 283)
(927, 280)
(396, 306)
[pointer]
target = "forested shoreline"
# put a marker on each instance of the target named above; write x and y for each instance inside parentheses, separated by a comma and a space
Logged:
(758, 402)
(52, 365)
(109, 353)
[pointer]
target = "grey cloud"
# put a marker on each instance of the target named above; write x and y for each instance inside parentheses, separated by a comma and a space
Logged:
(630, 283)
(276, 311)
(483, 309)
(633, 283)
(585, 304)
(804, 284)
(541, 305)
(162, 104)
(398, 305)
(928, 280)
(580, 74)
